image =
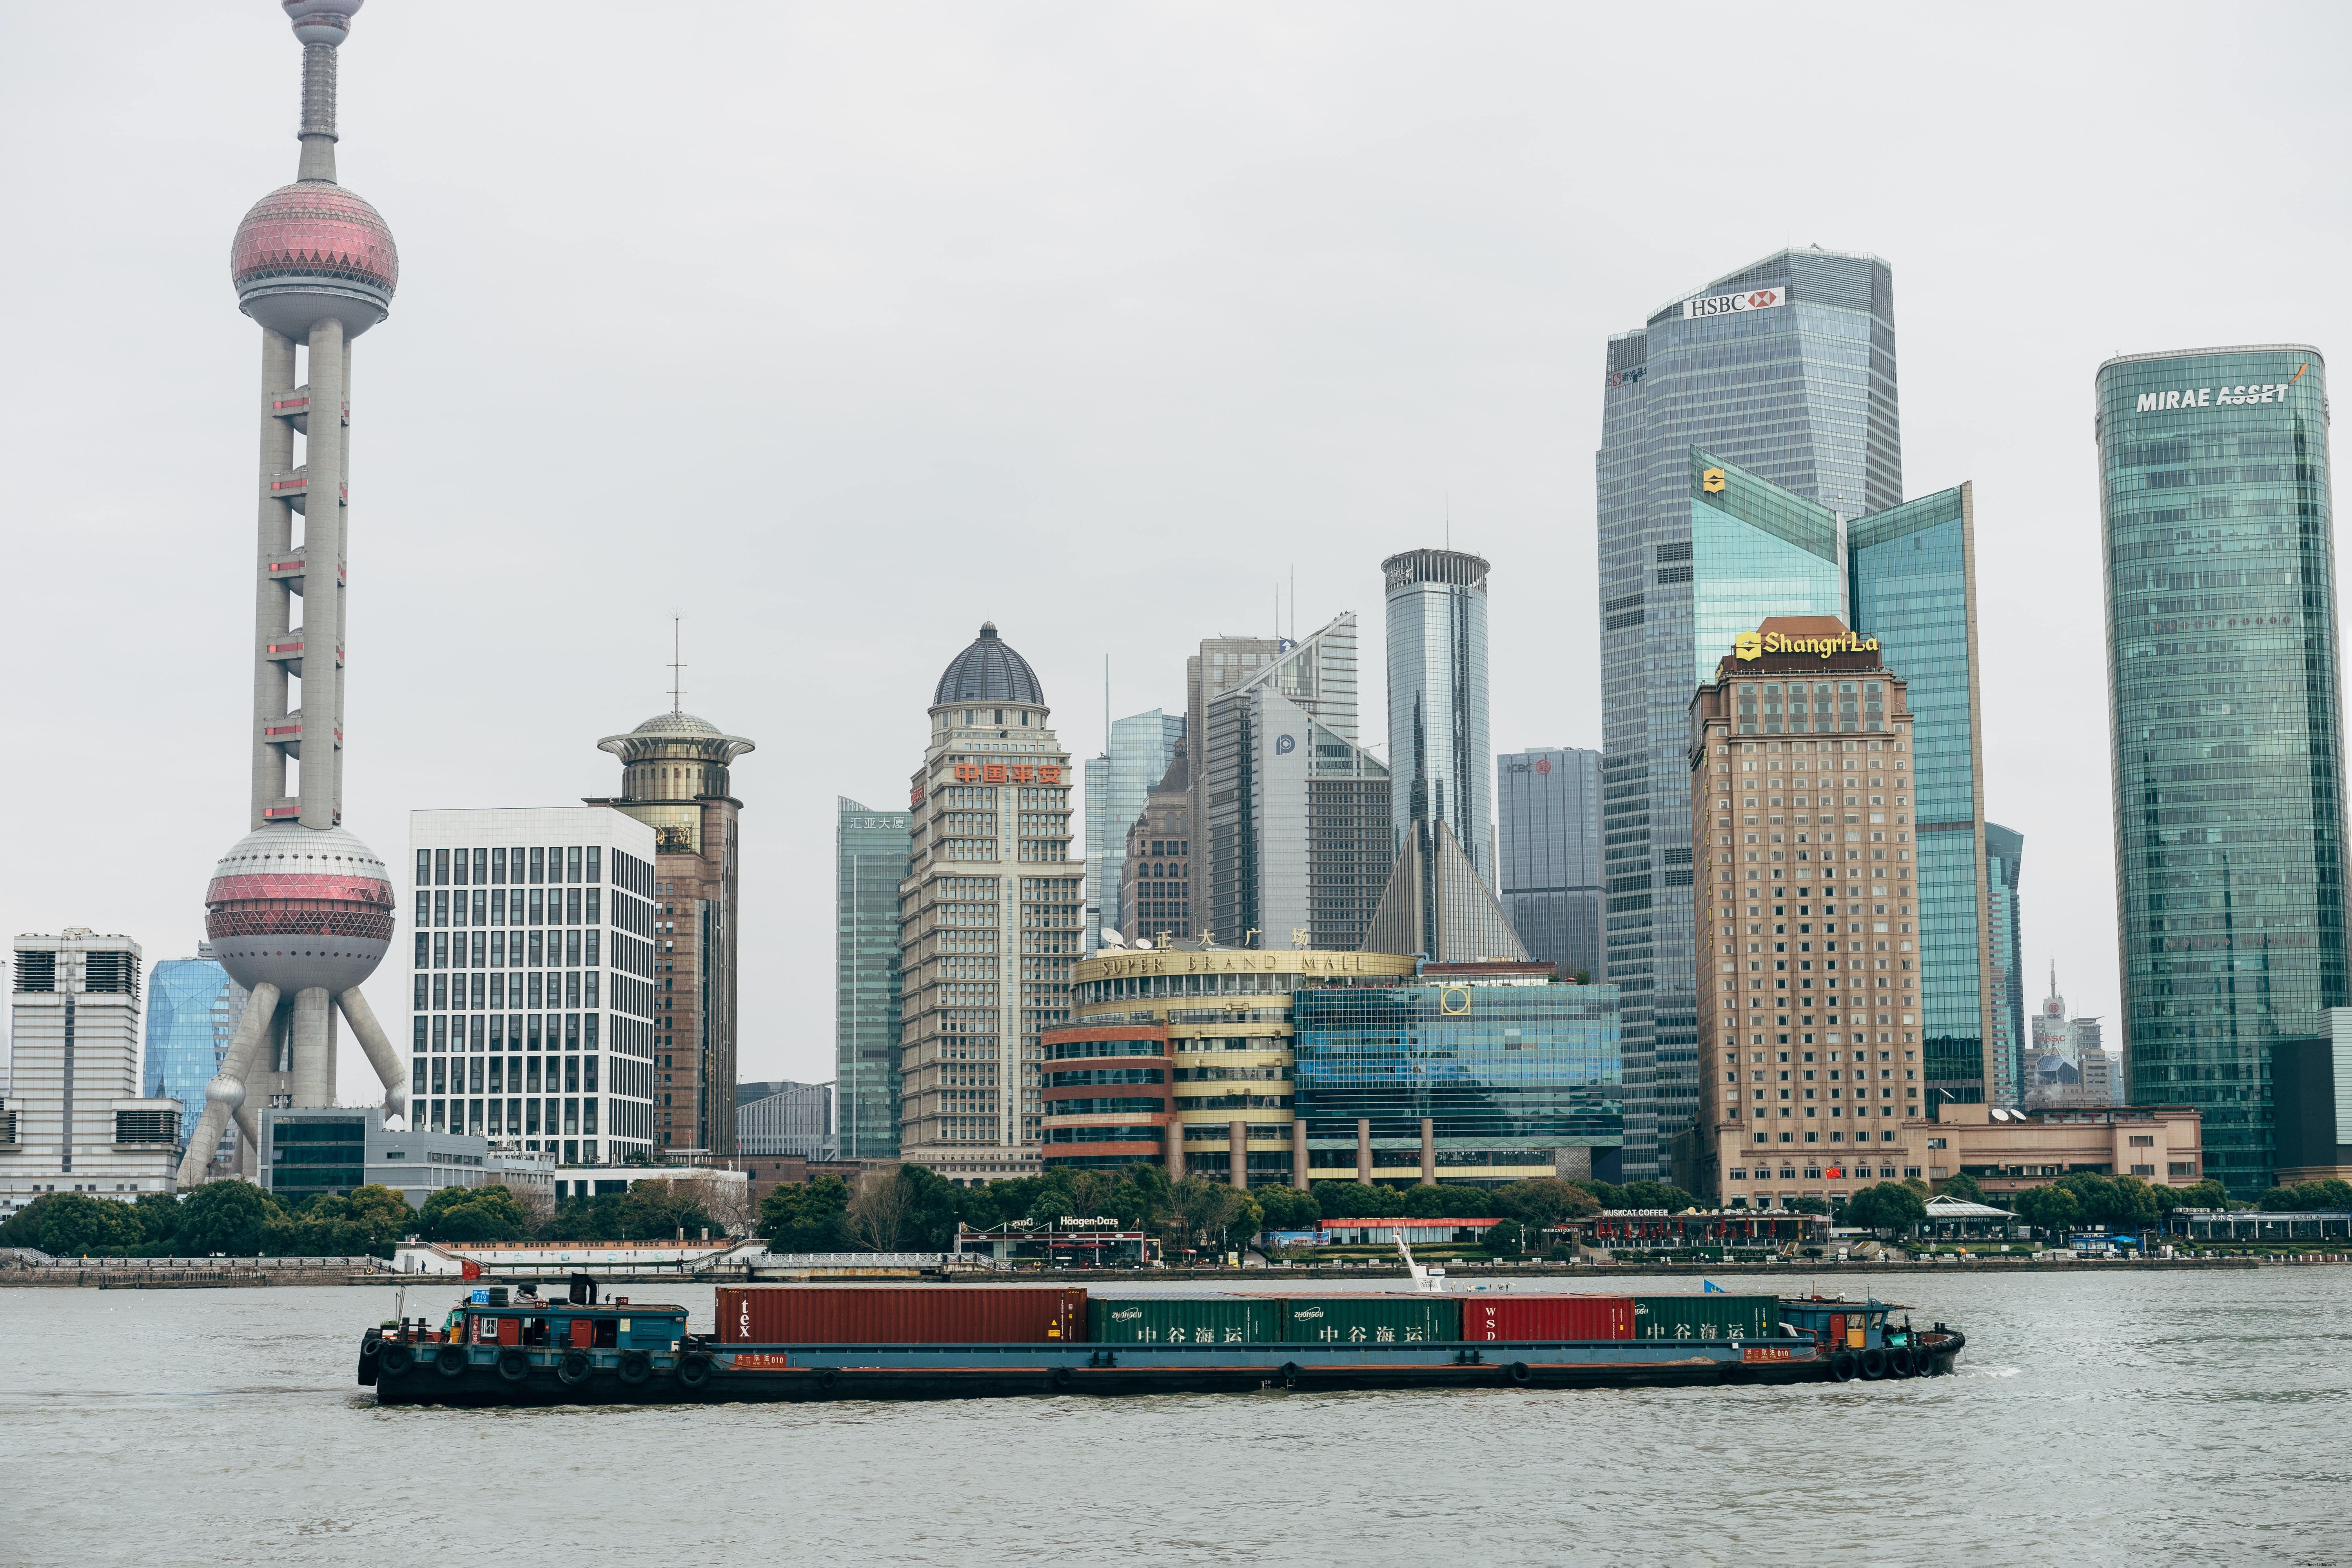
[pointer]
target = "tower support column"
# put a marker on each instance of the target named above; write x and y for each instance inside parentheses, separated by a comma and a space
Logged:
(272, 617)
(312, 1080)
(322, 596)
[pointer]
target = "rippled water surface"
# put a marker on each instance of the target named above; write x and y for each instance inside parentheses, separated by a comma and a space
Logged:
(2157, 1417)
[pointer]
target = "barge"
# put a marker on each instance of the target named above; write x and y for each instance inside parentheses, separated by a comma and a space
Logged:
(497, 1350)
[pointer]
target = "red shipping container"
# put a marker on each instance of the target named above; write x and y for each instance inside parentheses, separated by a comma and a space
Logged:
(900, 1315)
(1547, 1317)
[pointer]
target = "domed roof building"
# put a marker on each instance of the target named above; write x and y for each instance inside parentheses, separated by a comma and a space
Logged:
(989, 671)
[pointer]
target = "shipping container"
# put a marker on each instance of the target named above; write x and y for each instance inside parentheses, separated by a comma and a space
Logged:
(1706, 1317)
(900, 1315)
(1369, 1319)
(1184, 1320)
(1547, 1317)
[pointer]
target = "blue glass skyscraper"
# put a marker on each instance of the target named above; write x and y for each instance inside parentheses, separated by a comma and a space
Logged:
(1140, 748)
(872, 849)
(1548, 850)
(192, 1010)
(2227, 729)
(1911, 583)
(2005, 859)
(1785, 370)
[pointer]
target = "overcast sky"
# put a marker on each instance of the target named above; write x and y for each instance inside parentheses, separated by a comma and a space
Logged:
(838, 330)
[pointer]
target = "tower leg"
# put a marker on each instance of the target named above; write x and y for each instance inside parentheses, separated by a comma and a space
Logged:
(226, 1091)
(314, 1071)
(380, 1054)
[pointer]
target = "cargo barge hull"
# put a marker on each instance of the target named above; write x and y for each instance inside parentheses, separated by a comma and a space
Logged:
(825, 1373)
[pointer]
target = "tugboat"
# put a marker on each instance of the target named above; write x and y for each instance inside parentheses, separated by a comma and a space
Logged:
(494, 1349)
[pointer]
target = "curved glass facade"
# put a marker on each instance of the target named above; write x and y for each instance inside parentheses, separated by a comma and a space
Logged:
(2226, 727)
(192, 1010)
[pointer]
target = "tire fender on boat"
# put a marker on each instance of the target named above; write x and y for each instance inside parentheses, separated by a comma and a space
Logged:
(825, 1381)
(1290, 1374)
(573, 1369)
(1061, 1375)
(636, 1367)
(694, 1370)
(451, 1360)
(1519, 1372)
(514, 1363)
(1873, 1363)
(1843, 1366)
(1902, 1362)
(394, 1359)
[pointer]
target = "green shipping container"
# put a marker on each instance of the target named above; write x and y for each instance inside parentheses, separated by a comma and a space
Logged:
(1706, 1317)
(1369, 1319)
(1183, 1319)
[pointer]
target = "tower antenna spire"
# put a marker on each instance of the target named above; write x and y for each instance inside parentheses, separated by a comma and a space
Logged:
(677, 691)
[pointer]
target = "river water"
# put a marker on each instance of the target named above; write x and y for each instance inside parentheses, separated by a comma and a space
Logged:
(2107, 1416)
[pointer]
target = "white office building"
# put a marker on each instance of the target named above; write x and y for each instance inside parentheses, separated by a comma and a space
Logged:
(74, 1120)
(532, 1005)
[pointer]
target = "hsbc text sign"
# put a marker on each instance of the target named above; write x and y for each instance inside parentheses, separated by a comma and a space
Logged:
(1732, 304)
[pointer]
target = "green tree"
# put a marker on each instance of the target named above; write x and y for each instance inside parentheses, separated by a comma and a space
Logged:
(383, 1216)
(1203, 1209)
(225, 1216)
(1962, 1186)
(1606, 1194)
(1545, 1203)
(807, 1216)
(159, 1220)
(2329, 1195)
(77, 1225)
(1802, 1205)
(931, 1217)
(658, 1211)
(1505, 1238)
(1656, 1195)
(473, 1213)
(1051, 1198)
(1358, 1200)
(1288, 1208)
(23, 1228)
(2131, 1206)
(2053, 1208)
(1888, 1207)
(2205, 1194)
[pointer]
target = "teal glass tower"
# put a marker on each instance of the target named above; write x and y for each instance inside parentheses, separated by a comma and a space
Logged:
(192, 1012)
(2227, 728)
(1140, 748)
(1785, 370)
(1911, 583)
(872, 850)
(2004, 860)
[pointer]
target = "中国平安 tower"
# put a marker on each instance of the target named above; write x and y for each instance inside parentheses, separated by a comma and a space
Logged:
(299, 911)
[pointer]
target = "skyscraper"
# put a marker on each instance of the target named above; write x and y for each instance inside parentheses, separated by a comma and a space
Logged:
(991, 916)
(1440, 757)
(1155, 897)
(1548, 855)
(1292, 858)
(1786, 370)
(1140, 748)
(677, 778)
(870, 857)
(2227, 727)
(1221, 664)
(2004, 857)
(299, 911)
(1801, 761)
(192, 1012)
(73, 1112)
(1911, 583)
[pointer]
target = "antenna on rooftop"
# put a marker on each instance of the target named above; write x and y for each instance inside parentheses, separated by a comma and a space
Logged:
(677, 691)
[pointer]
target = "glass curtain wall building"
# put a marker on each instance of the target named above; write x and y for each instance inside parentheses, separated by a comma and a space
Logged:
(1439, 752)
(871, 850)
(1141, 746)
(1911, 581)
(2227, 728)
(1511, 1074)
(2004, 854)
(1784, 369)
(192, 1010)
(1547, 854)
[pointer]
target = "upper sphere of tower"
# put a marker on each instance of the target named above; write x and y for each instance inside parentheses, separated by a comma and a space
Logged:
(989, 671)
(299, 907)
(311, 250)
(322, 21)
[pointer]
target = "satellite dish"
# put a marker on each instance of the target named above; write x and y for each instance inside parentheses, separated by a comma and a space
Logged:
(1112, 938)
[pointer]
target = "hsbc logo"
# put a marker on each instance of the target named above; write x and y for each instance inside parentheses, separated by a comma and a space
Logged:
(1732, 304)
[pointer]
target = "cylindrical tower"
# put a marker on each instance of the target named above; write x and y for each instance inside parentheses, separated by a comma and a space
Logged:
(1441, 764)
(300, 910)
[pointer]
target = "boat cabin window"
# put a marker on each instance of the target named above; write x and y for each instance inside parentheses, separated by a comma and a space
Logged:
(534, 1331)
(608, 1333)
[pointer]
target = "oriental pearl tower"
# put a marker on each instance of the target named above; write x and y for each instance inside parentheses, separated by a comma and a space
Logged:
(301, 911)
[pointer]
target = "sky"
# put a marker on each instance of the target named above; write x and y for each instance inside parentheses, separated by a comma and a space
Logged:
(836, 331)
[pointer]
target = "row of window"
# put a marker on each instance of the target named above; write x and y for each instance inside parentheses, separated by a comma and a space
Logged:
(557, 863)
(523, 1032)
(491, 907)
(498, 1075)
(568, 989)
(490, 950)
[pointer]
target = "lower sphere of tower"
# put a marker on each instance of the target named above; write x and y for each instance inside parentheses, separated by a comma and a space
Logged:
(300, 908)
